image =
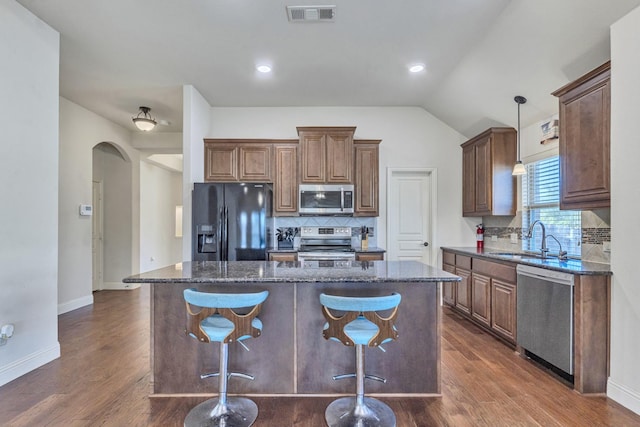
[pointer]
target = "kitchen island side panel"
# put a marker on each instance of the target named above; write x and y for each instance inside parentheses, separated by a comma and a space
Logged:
(178, 359)
(291, 356)
(410, 364)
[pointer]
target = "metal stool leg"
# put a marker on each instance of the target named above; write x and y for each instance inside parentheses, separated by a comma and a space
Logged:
(222, 411)
(359, 411)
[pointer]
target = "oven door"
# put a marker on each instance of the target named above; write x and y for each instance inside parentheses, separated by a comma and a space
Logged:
(326, 256)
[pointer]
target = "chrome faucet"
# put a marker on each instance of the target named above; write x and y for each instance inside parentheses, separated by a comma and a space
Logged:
(543, 247)
(562, 255)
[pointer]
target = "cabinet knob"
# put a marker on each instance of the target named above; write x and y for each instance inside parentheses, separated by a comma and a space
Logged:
(425, 244)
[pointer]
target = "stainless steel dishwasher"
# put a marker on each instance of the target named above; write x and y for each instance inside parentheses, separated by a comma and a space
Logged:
(545, 315)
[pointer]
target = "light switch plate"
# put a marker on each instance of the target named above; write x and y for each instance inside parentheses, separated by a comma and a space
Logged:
(494, 238)
(606, 246)
(514, 238)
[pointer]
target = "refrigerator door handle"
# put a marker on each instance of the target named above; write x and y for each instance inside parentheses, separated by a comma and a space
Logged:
(221, 233)
(226, 233)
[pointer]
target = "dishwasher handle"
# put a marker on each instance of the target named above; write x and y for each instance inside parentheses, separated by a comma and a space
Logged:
(544, 274)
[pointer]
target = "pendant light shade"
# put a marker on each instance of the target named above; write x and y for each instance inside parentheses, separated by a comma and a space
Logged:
(143, 120)
(519, 168)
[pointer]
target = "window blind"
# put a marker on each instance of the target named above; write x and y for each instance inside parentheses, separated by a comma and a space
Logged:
(541, 201)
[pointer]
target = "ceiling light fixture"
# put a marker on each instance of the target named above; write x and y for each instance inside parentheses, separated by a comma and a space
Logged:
(519, 169)
(143, 120)
(416, 68)
(263, 68)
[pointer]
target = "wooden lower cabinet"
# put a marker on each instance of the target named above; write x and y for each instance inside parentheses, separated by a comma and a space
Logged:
(283, 257)
(503, 308)
(481, 298)
(375, 256)
(486, 293)
(463, 294)
(449, 288)
(490, 301)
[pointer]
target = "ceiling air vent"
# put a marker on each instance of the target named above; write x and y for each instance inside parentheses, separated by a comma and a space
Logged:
(325, 13)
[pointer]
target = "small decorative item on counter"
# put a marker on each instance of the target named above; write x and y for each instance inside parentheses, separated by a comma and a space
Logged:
(285, 237)
(364, 240)
(479, 236)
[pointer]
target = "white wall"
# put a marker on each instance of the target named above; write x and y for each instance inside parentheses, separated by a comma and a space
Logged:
(624, 382)
(160, 193)
(29, 190)
(411, 137)
(80, 131)
(196, 123)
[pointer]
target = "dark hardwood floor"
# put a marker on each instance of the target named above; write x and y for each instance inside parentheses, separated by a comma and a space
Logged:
(102, 379)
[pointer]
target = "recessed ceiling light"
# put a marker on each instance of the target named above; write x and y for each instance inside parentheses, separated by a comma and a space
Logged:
(416, 68)
(263, 68)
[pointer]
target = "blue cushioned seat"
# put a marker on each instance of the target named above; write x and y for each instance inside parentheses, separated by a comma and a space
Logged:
(218, 328)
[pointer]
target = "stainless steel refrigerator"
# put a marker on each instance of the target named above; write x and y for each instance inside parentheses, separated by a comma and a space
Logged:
(230, 221)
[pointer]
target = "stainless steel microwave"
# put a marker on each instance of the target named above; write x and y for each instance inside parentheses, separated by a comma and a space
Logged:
(326, 199)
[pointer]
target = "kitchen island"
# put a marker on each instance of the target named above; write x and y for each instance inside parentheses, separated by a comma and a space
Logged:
(291, 357)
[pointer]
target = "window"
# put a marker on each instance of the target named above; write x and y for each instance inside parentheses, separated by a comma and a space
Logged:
(541, 201)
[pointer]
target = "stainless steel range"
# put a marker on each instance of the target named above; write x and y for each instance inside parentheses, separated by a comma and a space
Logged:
(325, 244)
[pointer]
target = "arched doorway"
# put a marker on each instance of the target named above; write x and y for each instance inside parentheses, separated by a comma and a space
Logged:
(112, 216)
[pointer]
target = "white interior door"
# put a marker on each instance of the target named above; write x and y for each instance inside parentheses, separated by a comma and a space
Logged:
(97, 238)
(410, 214)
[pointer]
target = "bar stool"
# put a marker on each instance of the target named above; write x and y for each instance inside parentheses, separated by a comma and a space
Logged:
(359, 325)
(212, 317)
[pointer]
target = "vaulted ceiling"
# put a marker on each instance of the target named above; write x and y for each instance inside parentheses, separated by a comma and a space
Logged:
(119, 54)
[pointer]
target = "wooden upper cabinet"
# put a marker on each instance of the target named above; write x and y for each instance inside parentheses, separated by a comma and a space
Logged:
(366, 177)
(326, 154)
(285, 191)
(488, 188)
(255, 162)
(584, 146)
(220, 162)
(228, 160)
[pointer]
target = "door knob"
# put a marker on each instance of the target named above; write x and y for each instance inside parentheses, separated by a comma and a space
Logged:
(425, 244)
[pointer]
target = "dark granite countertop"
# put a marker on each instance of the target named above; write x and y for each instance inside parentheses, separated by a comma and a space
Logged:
(574, 266)
(371, 249)
(294, 272)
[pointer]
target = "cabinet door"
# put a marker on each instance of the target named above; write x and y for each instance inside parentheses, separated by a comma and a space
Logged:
(468, 180)
(483, 184)
(481, 298)
(584, 145)
(285, 192)
(255, 163)
(378, 256)
(366, 182)
(449, 288)
(220, 162)
(313, 157)
(503, 302)
(339, 157)
(463, 291)
(283, 257)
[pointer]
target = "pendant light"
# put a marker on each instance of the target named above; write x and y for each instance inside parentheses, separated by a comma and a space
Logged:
(143, 120)
(519, 169)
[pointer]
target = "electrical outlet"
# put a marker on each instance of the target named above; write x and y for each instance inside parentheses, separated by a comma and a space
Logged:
(606, 246)
(6, 332)
(514, 238)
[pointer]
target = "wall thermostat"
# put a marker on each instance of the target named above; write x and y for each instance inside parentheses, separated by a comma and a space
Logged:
(86, 210)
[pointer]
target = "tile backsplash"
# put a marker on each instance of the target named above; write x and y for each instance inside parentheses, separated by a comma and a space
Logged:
(336, 221)
(596, 234)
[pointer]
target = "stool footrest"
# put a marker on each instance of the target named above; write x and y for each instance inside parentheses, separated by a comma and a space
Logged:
(230, 374)
(366, 377)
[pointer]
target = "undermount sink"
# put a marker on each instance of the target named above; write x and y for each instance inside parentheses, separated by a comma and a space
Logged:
(515, 255)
